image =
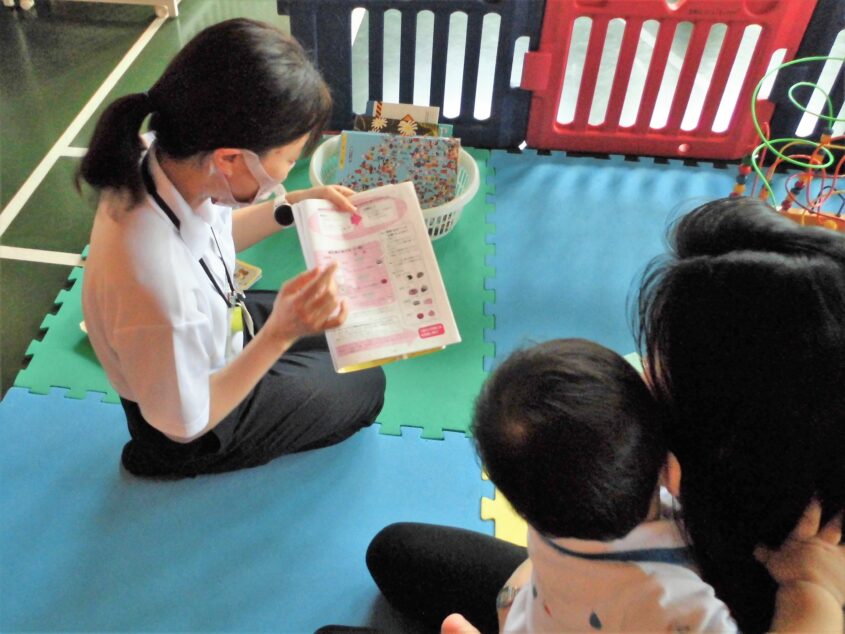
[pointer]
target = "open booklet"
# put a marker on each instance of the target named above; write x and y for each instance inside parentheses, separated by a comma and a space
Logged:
(387, 273)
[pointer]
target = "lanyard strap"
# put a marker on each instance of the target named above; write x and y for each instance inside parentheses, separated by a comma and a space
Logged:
(149, 184)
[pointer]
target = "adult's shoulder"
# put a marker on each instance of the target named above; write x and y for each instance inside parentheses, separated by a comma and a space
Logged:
(137, 234)
(137, 252)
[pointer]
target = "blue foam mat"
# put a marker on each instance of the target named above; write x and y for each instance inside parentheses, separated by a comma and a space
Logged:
(83, 546)
(572, 235)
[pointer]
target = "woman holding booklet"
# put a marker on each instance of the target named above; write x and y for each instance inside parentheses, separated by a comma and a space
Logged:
(213, 379)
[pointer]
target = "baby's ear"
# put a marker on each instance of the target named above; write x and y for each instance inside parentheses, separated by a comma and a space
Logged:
(670, 475)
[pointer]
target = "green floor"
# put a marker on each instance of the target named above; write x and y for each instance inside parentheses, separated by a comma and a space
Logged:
(55, 57)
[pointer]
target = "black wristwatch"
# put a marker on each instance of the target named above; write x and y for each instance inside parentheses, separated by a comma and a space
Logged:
(283, 213)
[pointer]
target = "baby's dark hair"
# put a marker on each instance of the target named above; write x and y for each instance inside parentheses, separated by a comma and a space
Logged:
(569, 432)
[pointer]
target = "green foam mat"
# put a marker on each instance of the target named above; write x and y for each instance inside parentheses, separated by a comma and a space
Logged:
(434, 392)
(64, 357)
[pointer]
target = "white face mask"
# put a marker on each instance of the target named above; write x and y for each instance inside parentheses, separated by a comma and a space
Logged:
(222, 191)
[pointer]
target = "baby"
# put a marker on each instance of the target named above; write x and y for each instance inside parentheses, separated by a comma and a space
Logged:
(570, 434)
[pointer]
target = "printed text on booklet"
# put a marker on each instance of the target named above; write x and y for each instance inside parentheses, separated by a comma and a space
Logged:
(387, 274)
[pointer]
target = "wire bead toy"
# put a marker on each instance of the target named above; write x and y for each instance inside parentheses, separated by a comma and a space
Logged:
(813, 195)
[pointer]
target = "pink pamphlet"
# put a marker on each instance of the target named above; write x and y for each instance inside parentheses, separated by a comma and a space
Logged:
(388, 275)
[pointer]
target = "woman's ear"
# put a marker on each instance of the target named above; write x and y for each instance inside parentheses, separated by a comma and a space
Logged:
(224, 159)
(670, 475)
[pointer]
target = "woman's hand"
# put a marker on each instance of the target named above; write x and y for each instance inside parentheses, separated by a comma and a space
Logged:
(809, 569)
(337, 195)
(811, 554)
(307, 304)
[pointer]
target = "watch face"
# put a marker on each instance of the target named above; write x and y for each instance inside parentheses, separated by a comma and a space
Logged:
(284, 215)
(505, 597)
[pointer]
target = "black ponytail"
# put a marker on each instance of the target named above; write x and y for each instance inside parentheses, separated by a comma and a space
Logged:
(114, 154)
(237, 84)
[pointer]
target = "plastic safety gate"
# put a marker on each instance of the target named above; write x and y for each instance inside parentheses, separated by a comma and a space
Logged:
(631, 76)
(324, 26)
(826, 28)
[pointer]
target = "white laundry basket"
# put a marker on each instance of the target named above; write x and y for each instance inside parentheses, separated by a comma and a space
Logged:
(440, 219)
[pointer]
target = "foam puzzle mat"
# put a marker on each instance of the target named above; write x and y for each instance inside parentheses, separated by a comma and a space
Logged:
(86, 547)
(64, 357)
(507, 524)
(573, 234)
(549, 247)
(433, 392)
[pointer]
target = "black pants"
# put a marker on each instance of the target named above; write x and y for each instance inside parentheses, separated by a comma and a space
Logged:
(428, 572)
(300, 404)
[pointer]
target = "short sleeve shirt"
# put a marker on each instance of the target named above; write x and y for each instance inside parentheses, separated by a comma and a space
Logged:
(643, 582)
(154, 318)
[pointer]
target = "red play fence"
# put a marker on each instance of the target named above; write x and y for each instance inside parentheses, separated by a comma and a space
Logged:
(654, 77)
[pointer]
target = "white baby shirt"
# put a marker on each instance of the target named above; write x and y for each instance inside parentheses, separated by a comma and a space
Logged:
(642, 582)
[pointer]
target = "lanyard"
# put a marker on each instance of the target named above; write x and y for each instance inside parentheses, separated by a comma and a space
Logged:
(238, 313)
(234, 296)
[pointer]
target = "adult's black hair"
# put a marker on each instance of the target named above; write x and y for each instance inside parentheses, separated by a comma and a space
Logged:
(237, 84)
(570, 433)
(743, 329)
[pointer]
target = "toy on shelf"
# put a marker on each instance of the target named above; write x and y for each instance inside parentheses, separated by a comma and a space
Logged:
(814, 195)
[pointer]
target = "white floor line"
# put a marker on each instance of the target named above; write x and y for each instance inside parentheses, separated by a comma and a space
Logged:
(11, 211)
(42, 257)
(74, 151)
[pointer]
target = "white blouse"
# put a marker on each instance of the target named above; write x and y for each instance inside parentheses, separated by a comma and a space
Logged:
(156, 322)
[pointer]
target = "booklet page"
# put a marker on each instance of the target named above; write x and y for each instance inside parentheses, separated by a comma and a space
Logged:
(387, 274)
